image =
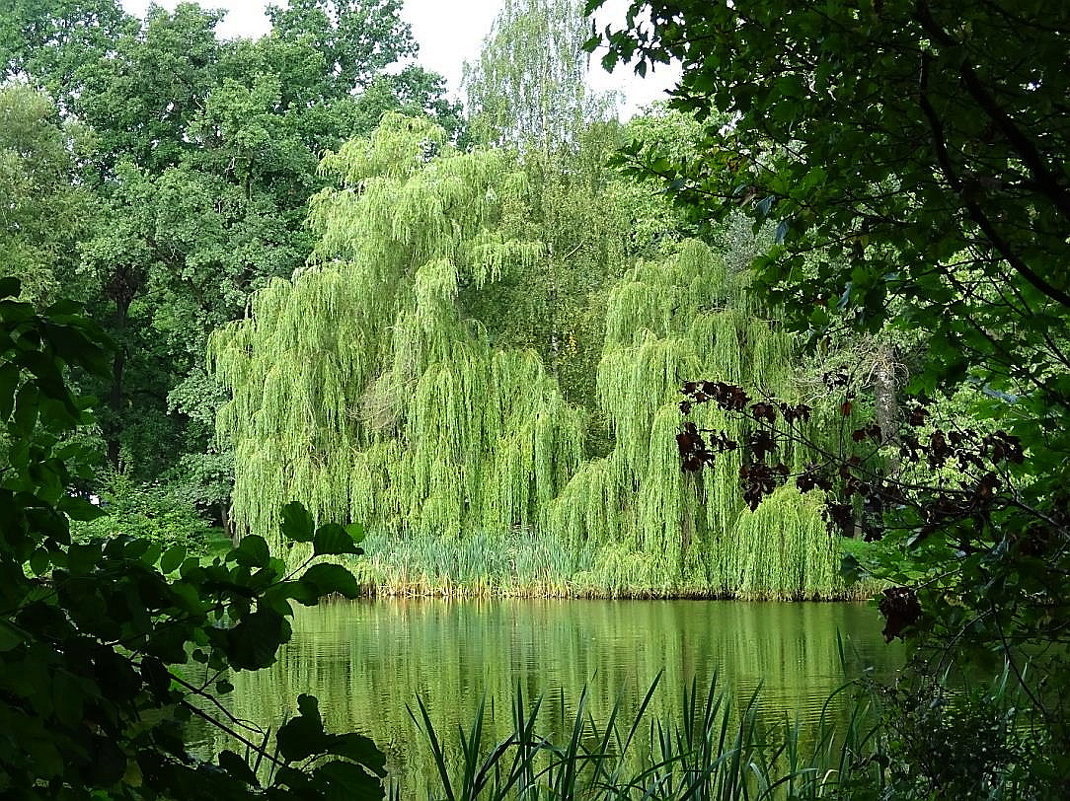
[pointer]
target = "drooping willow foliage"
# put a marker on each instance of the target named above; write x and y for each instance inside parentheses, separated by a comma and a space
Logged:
(381, 385)
(362, 387)
(650, 524)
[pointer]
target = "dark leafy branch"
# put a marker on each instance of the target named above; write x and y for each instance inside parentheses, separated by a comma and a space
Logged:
(861, 497)
(96, 635)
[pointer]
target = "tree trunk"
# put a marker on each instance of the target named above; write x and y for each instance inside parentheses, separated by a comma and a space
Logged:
(885, 391)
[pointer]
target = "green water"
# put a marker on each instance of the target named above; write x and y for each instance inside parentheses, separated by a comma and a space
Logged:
(367, 660)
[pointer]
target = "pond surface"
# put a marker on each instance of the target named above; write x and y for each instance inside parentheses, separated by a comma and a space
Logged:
(368, 660)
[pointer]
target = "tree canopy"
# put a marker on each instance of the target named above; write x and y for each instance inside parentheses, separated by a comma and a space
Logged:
(199, 157)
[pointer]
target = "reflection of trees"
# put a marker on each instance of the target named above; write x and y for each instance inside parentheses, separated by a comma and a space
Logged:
(367, 660)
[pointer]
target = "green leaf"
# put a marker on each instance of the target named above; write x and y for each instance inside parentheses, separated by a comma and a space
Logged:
(80, 509)
(328, 579)
(850, 569)
(252, 551)
(237, 767)
(152, 553)
(276, 597)
(254, 642)
(67, 698)
(172, 559)
(109, 762)
(302, 736)
(360, 749)
(356, 532)
(297, 523)
(156, 676)
(40, 562)
(83, 558)
(27, 404)
(169, 644)
(332, 539)
(14, 312)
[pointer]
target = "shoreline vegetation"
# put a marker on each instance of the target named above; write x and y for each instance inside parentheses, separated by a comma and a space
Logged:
(431, 588)
(523, 564)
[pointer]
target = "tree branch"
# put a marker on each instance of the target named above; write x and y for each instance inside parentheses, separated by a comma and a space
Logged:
(973, 208)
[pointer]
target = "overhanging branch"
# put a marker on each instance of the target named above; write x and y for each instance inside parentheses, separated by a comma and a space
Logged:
(973, 208)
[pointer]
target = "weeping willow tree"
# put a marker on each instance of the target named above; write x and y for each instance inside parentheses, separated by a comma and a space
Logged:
(528, 93)
(652, 528)
(362, 386)
(388, 383)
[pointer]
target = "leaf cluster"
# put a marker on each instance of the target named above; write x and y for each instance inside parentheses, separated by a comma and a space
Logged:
(108, 646)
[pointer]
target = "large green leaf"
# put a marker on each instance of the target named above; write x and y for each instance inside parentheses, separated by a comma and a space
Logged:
(329, 579)
(297, 523)
(252, 551)
(332, 539)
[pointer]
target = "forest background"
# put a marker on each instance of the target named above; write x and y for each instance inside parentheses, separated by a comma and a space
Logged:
(180, 178)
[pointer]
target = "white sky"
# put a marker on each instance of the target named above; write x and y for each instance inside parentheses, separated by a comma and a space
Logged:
(451, 32)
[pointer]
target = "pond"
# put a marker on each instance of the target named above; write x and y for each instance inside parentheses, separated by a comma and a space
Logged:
(368, 660)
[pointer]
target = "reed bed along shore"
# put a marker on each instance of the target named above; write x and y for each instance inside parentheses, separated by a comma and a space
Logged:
(527, 564)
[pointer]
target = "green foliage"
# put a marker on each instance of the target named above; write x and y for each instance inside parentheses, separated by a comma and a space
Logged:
(56, 40)
(200, 156)
(827, 170)
(387, 383)
(152, 512)
(109, 645)
(916, 178)
(966, 741)
(44, 213)
(357, 39)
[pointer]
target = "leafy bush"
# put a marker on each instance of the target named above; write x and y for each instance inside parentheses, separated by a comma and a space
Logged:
(96, 637)
(151, 512)
(960, 738)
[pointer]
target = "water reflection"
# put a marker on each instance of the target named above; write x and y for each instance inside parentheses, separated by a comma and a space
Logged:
(367, 660)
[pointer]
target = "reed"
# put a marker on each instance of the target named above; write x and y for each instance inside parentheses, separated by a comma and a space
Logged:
(533, 563)
(706, 751)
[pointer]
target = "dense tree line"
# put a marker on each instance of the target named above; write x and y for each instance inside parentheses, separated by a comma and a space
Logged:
(164, 176)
